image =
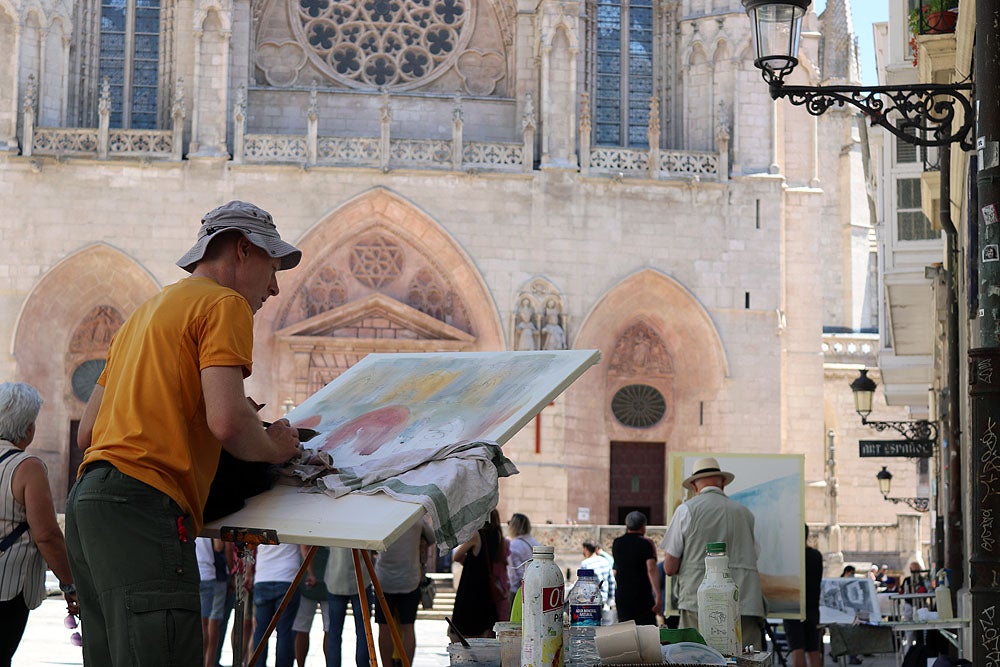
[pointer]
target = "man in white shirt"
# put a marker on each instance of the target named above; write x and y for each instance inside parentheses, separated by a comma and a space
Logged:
(601, 567)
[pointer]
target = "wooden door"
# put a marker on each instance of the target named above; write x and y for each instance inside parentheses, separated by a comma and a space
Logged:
(637, 481)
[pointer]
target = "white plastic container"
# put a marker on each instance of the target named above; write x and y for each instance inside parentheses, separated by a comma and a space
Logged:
(509, 635)
(481, 653)
(542, 611)
(719, 603)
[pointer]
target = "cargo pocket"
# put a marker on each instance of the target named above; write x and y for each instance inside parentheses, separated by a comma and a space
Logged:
(164, 626)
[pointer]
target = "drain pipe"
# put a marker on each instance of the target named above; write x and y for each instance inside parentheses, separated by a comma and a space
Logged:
(950, 458)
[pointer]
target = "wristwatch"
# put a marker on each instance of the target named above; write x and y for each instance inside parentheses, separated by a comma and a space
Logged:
(67, 589)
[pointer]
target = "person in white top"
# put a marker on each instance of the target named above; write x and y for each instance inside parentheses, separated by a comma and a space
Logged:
(276, 567)
(29, 534)
(520, 544)
(398, 572)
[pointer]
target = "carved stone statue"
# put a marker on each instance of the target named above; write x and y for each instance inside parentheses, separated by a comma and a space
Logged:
(525, 327)
(553, 335)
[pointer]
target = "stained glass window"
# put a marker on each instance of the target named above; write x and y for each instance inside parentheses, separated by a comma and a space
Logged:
(130, 53)
(624, 72)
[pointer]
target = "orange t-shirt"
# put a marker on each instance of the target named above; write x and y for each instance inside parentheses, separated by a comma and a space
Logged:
(151, 424)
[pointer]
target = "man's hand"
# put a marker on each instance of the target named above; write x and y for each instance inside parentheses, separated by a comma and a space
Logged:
(286, 440)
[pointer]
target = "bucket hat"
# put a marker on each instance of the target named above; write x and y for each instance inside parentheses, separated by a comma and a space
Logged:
(255, 223)
(707, 467)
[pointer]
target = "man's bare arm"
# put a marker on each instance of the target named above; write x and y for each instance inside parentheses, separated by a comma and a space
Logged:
(85, 431)
(671, 564)
(654, 580)
(235, 423)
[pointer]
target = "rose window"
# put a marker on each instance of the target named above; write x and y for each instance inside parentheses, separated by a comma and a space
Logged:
(383, 43)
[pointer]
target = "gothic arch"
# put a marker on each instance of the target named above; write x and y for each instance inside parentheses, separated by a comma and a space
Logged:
(51, 316)
(690, 360)
(421, 292)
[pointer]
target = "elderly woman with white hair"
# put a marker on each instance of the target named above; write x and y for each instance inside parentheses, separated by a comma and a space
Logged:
(29, 533)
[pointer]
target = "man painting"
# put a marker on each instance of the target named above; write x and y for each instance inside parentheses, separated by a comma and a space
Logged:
(170, 398)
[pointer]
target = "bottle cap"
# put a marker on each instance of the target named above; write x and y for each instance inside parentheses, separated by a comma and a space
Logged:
(715, 548)
(543, 550)
(585, 572)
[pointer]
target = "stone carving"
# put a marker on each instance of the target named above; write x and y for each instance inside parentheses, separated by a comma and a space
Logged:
(280, 62)
(553, 333)
(480, 71)
(538, 321)
(95, 331)
(427, 296)
(525, 329)
(376, 261)
(370, 44)
(640, 351)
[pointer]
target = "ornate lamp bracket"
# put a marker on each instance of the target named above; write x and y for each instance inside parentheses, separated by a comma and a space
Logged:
(918, 504)
(922, 114)
(910, 430)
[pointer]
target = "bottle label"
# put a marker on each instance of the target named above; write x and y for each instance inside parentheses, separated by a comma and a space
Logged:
(552, 598)
(584, 614)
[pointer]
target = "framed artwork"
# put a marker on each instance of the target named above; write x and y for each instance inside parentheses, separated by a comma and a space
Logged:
(844, 599)
(770, 486)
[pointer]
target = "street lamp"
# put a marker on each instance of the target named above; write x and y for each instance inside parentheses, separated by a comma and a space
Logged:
(920, 431)
(884, 478)
(920, 114)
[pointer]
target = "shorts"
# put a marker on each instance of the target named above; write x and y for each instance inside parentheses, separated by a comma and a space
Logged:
(403, 606)
(307, 613)
(802, 635)
(213, 599)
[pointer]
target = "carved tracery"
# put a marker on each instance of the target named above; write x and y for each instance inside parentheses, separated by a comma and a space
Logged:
(93, 335)
(639, 350)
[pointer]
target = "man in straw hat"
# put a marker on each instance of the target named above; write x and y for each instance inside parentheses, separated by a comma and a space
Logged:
(710, 516)
(170, 398)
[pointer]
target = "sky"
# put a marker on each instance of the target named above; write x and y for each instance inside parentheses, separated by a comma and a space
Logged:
(864, 13)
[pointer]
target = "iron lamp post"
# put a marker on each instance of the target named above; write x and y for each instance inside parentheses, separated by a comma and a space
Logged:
(920, 114)
(884, 478)
(863, 388)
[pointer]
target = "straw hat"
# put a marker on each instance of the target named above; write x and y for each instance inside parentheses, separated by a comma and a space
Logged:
(707, 467)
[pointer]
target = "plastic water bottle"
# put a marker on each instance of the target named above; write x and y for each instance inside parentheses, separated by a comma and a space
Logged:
(719, 603)
(585, 606)
(543, 590)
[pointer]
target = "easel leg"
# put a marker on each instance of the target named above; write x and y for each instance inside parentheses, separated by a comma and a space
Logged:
(291, 592)
(243, 557)
(372, 657)
(397, 641)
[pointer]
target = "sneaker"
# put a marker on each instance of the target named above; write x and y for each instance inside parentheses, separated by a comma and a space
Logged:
(855, 660)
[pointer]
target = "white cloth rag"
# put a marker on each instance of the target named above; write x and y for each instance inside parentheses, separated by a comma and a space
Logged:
(456, 484)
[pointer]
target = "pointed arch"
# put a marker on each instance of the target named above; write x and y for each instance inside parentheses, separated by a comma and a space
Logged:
(674, 312)
(47, 335)
(376, 271)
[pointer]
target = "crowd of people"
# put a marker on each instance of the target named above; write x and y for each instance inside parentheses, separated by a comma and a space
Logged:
(170, 402)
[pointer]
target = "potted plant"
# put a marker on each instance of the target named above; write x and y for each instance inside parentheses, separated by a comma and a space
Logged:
(931, 17)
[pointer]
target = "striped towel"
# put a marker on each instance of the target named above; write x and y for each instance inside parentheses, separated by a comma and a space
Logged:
(456, 484)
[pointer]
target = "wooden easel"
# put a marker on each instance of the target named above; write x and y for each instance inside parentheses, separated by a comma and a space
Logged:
(246, 539)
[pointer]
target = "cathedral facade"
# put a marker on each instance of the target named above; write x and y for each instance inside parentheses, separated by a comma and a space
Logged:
(461, 175)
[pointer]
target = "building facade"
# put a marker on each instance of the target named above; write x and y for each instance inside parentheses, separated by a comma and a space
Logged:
(461, 175)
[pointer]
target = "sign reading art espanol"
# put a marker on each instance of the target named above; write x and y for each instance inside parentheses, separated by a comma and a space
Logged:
(919, 449)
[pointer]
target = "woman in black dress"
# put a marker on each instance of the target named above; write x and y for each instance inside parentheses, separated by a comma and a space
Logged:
(483, 581)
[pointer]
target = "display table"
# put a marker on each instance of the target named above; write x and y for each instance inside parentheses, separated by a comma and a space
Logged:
(948, 628)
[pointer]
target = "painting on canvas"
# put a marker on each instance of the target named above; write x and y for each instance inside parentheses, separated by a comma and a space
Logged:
(771, 486)
(390, 403)
(848, 599)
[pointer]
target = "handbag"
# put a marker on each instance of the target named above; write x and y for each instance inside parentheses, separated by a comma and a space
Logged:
(427, 592)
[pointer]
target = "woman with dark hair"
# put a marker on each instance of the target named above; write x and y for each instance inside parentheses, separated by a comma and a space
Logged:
(484, 579)
(521, 542)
